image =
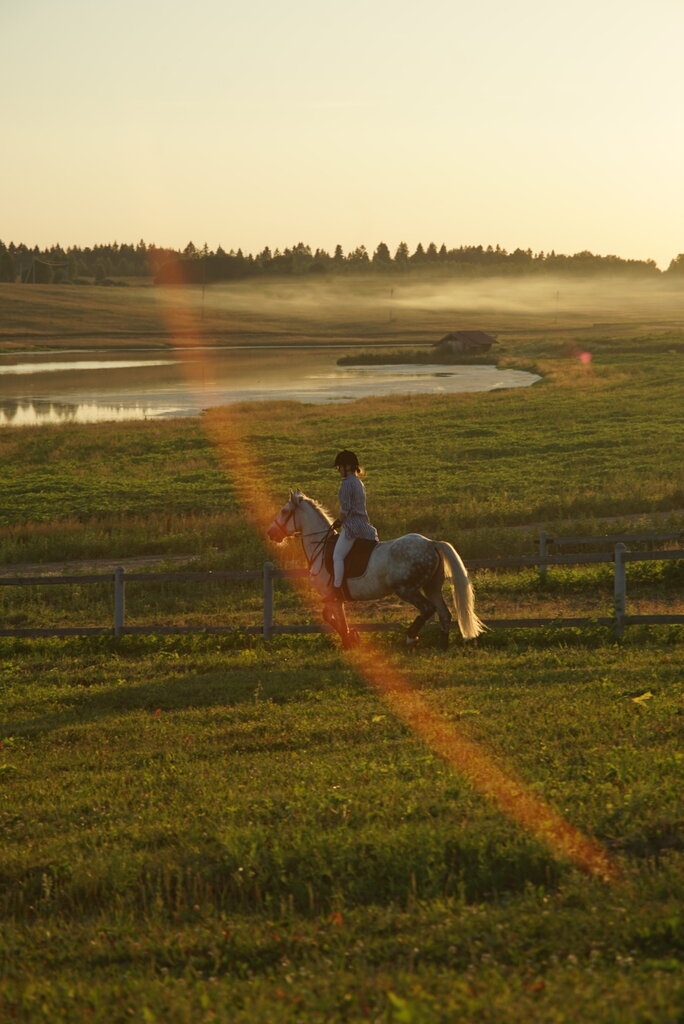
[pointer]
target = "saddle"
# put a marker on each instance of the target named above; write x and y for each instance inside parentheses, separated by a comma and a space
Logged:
(356, 562)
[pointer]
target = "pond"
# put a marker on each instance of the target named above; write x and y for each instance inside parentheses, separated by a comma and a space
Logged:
(99, 385)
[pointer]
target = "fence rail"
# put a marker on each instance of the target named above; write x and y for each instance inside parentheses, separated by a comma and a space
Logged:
(620, 556)
(547, 543)
(619, 538)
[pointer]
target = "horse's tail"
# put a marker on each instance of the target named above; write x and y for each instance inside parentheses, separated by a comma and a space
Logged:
(461, 591)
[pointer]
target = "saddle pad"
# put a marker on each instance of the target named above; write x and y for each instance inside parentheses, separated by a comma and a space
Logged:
(356, 562)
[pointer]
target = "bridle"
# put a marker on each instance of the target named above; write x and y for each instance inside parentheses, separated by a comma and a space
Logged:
(281, 526)
(319, 545)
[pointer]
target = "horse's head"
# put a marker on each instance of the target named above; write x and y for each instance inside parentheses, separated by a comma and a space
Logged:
(284, 525)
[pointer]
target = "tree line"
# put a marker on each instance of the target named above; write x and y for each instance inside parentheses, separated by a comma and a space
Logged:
(77, 265)
(109, 264)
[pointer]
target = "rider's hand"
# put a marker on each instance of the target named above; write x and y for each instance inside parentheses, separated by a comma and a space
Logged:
(337, 525)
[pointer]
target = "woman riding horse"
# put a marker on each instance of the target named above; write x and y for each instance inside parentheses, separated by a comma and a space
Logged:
(413, 567)
(353, 518)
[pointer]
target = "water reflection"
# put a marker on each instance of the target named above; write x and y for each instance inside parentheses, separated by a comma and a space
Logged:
(81, 364)
(110, 386)
(347, 383)
(33, 414)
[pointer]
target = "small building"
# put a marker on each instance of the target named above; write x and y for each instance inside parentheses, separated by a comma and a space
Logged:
(470, 343)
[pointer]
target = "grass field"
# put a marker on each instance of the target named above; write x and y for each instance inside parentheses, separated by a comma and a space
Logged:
(200, 830)
(205, 829)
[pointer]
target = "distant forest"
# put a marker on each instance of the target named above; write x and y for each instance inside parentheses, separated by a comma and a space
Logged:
(116, 263)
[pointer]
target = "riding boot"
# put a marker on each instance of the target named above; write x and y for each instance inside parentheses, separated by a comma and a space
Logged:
(337, 595)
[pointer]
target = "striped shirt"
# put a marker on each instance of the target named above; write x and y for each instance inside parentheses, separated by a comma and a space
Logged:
(353, 509)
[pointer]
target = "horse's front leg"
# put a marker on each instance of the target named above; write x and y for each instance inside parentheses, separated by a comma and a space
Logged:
(329, 614)
(333, 614)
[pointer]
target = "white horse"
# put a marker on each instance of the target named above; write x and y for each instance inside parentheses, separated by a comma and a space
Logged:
(412, 566)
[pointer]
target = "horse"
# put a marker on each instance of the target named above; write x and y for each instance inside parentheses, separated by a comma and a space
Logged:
(412, 566)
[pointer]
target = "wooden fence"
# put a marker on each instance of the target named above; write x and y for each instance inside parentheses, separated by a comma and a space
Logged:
(620, 556)
(553, 545)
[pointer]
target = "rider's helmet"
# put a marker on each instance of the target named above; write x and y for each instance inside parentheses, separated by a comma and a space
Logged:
(346, 458)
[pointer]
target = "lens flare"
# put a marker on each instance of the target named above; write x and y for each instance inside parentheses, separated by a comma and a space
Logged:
(227, 428)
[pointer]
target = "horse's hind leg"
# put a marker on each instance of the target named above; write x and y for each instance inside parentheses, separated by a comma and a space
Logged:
(425, 607)
(434, 593)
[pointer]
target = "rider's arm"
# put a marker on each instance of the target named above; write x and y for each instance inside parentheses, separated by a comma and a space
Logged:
(346, 497)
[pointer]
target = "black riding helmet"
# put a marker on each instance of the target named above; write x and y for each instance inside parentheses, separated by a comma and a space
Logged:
(346, 458)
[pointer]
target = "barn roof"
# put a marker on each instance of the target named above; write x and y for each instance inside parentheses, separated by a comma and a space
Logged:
(474, 338)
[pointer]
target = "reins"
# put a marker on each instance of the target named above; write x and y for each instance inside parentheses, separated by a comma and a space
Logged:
(318, 547)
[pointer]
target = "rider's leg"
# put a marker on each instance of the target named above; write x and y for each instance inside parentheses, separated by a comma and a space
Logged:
(342, 549)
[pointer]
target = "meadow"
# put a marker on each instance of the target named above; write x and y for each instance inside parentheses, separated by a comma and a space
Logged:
(202, 828)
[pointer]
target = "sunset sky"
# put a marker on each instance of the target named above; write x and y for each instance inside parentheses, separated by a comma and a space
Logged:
(527, 123)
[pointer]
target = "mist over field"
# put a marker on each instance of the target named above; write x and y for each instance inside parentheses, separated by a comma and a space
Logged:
(313, 309)
(528, 293)
(350, 299)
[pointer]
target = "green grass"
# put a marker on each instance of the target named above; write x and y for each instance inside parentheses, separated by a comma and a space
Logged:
(196, 827)
(419, 356)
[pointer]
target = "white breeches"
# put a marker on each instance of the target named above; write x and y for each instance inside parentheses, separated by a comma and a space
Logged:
(342, 549)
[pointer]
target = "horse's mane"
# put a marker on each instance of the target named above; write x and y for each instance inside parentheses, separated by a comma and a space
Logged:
(317, 505)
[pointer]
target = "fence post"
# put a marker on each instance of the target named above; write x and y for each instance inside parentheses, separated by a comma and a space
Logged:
(119, 600)
(620, 588)
(543, 551)
(268, 600)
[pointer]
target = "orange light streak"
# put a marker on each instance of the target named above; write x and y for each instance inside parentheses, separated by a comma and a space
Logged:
(463, 754)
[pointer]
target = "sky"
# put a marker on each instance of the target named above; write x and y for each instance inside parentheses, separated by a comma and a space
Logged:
(526, 123)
